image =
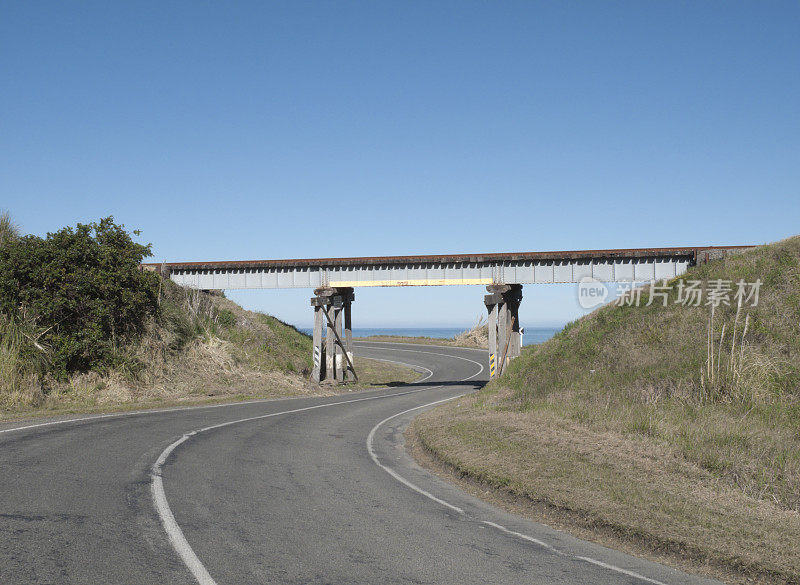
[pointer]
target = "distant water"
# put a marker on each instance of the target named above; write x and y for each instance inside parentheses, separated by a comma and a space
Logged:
(531, 336)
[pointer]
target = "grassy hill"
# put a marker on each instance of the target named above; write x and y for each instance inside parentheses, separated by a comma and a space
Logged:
(82, 327)
(665, 430)
(197, 345)
(200, 347)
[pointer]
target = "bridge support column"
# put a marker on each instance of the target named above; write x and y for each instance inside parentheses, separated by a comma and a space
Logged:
(318, 371)
(348, 336)
(492, 308)
(330, 341)
(335, 361)
(338, 366)
(505, 339)
(514, 299)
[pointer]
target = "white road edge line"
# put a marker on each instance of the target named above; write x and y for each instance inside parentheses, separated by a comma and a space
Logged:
(412, 366)
(419, 490)
(371, 435)
(176, 537)
(134, 413)
(392, 472)
(196, 567)
(541, 543)
(620, 570)
(174, 409)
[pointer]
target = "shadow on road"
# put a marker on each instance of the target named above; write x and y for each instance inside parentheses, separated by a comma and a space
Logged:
(475, 384)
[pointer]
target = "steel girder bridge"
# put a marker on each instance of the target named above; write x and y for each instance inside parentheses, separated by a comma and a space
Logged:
(334, 280)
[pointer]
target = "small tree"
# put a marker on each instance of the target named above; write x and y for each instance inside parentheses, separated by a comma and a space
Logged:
(84, 286)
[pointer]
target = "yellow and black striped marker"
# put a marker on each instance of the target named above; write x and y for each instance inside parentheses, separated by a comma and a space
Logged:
(491, 365)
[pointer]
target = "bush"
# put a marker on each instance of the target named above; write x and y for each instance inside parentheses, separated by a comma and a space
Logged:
(83, 285)
(226, 318)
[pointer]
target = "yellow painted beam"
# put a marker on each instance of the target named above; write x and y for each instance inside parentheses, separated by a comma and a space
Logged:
(418, 282)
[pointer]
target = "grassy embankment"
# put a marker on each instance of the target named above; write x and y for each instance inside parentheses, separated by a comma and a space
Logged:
(652, 429)
(82, 329)
(200, 348)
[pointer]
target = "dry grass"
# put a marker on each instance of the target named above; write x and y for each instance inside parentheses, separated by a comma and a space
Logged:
(200, 346)
(203, 348)
(674, 429)
(9, 231)
(477, 336)
(23, 361)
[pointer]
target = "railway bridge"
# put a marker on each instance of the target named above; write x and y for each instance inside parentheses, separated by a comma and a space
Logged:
(334, 281)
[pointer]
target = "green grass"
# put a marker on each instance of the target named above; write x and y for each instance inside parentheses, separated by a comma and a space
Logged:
(266, 343)
(646, 443)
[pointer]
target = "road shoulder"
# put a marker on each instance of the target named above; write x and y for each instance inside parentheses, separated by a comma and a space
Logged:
(572, 522)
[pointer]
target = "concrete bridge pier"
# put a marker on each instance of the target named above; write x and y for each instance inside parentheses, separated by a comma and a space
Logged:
(333, 361)
(505, 339)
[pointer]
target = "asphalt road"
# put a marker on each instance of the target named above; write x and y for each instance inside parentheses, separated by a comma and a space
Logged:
(311, 490)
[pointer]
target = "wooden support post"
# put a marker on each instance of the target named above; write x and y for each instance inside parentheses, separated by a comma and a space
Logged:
(492, 308)
(330, 344)
(348, 336)
(338, 366)
(339, 342)
(515, 299)
(502, 335)
(503, 305)
(316, 373)
(504, 359)
(514, 349)
(338, 360)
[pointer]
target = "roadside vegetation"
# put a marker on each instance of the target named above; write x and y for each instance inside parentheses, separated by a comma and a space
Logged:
(82, 327)
(668, 430)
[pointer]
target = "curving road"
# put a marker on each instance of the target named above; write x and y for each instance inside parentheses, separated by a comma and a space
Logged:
(310, 490)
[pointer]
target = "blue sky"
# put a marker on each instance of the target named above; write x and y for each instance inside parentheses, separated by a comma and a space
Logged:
(249, 130)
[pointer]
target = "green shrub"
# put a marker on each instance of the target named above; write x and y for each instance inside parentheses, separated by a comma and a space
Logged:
(226, 318)
(83, 285)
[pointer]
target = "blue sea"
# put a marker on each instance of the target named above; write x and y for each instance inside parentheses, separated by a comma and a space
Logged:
(531, 336)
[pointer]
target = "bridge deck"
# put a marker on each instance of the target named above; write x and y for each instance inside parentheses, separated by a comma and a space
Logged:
(636, 264)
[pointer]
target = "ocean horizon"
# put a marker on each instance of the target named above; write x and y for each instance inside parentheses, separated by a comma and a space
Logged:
(531, 335)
